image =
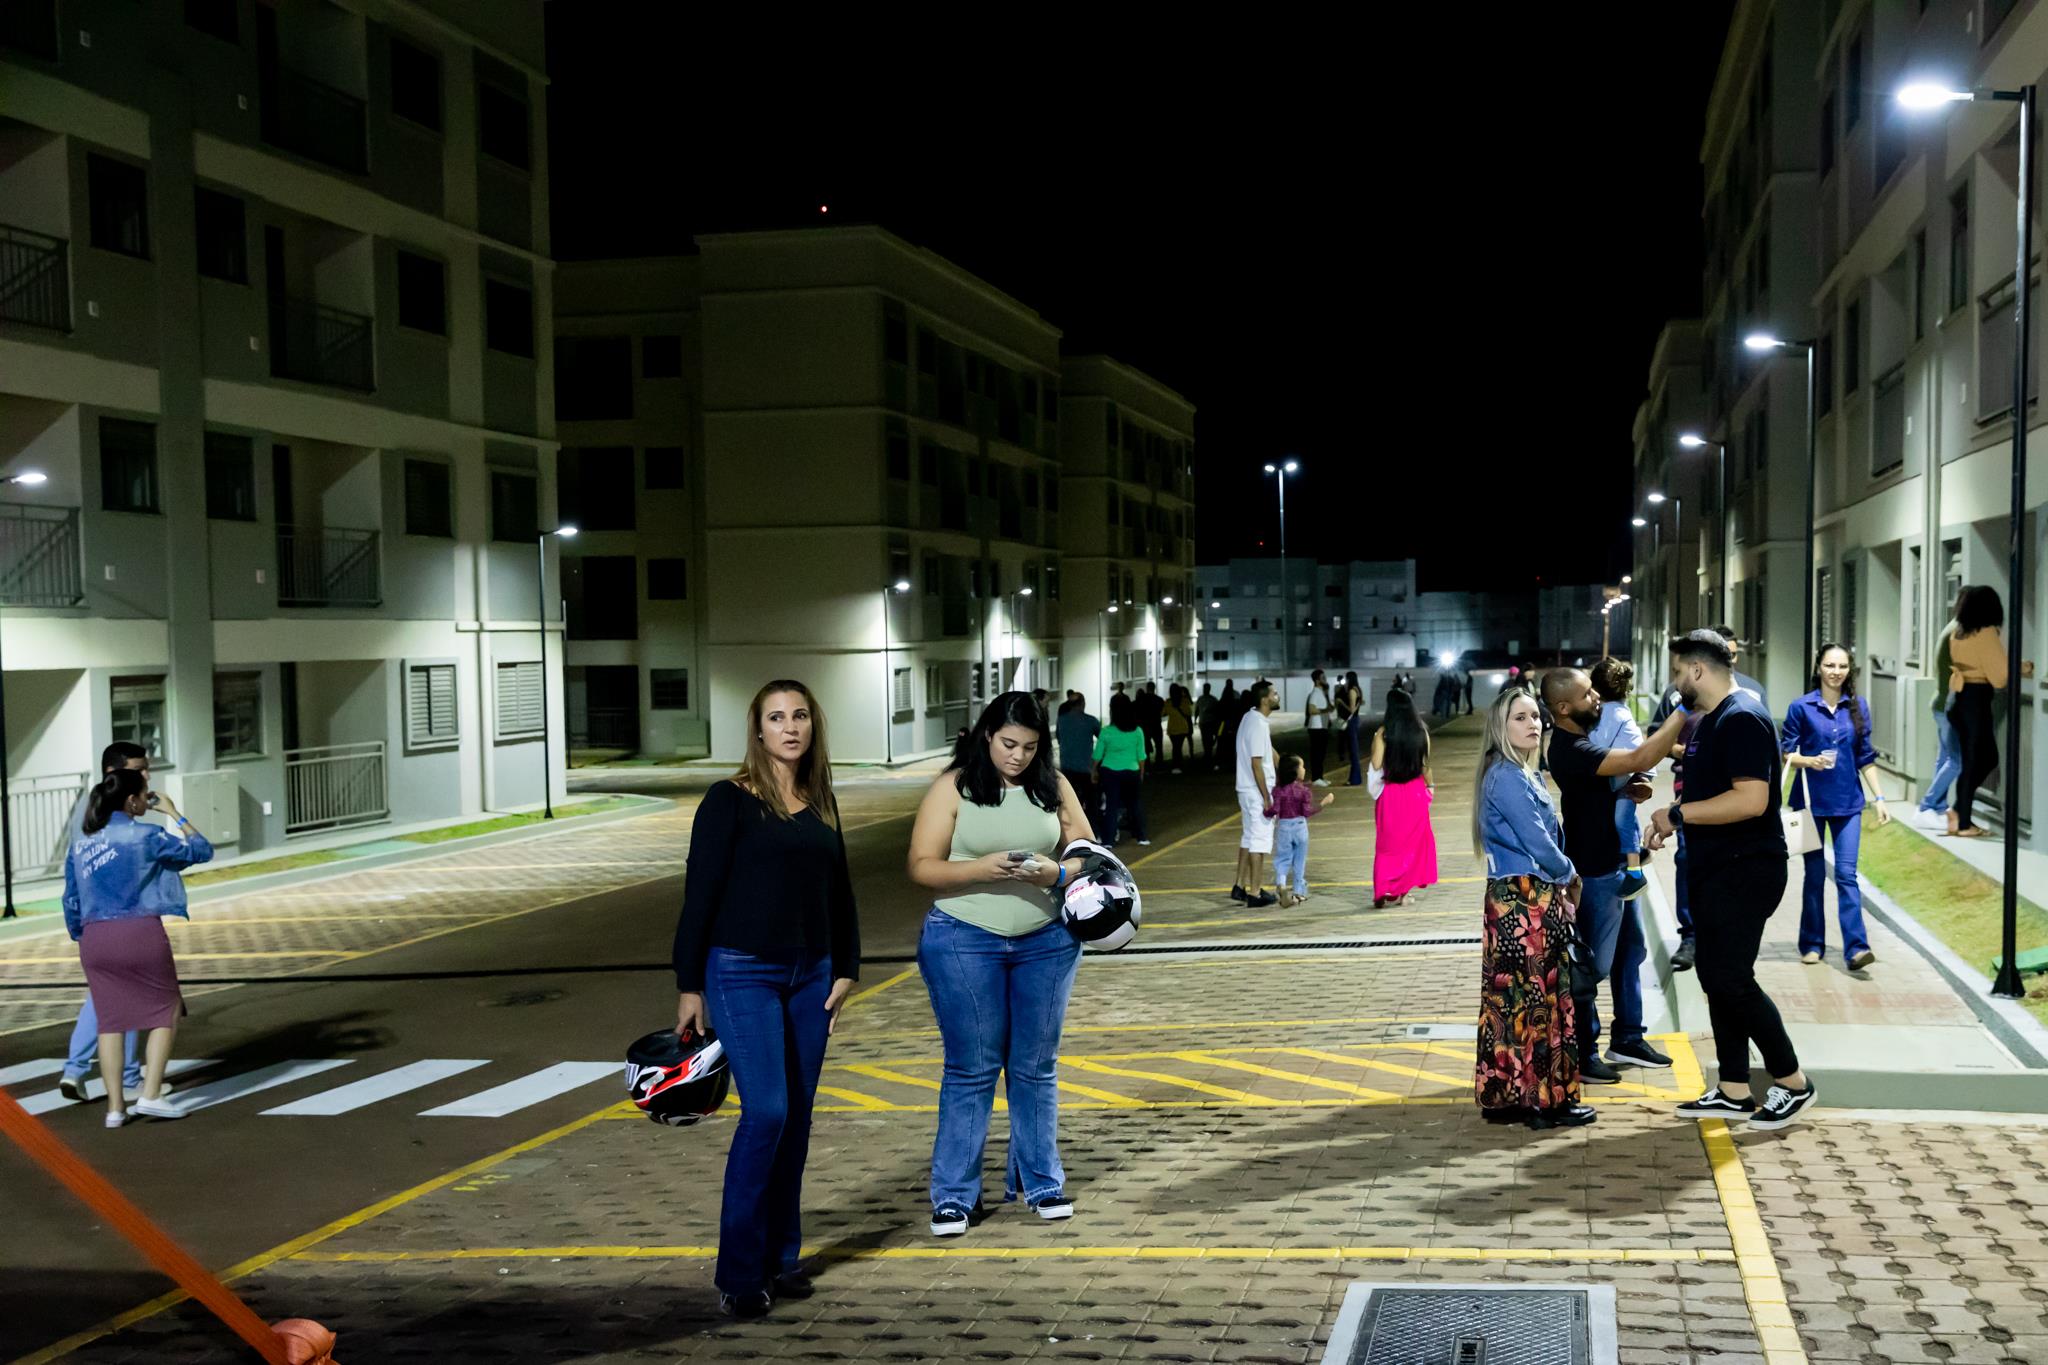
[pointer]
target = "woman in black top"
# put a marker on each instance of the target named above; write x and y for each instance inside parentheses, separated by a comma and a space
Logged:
(768, 939)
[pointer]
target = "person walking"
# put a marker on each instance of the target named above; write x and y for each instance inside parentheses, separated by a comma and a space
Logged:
(1077, 731)
(1151, 709)
(1119, 766)
(1294, 805)
(1316, 717)
(1948, 758)
(85, 1034)
(1180, 722)
(1351, 715)
(1527, 1069)
(767, 949)
(1977, 668)
(1612, 679)
(1229, 710)
(1404, 842)
(1826, 741)
(1257, 765)
(1737, 867)
(1207, 722)
(120, 881)
(996, 960)
(1468, 691)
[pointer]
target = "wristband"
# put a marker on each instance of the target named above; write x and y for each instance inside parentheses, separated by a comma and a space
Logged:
(1062, 879)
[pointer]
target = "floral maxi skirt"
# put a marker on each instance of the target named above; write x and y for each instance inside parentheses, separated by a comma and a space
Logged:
(1528, 1057)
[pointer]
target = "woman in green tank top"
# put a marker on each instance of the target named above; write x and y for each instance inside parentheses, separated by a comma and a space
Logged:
(995, 958)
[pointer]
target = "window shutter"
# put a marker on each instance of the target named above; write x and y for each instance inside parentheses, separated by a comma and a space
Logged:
(519, 706)
(430, 704)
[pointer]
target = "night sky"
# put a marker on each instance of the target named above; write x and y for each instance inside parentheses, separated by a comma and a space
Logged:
(1432, 273)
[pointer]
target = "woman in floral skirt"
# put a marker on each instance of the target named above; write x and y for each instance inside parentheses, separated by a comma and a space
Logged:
(1528, 1070)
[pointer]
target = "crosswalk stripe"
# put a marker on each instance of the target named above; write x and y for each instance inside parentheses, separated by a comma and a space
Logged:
(30, 1071)
(544, 1084)
(356, 1094)
(49, 1100)
(250, 1082)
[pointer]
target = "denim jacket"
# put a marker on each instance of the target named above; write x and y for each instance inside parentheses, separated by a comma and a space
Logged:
(1519, 826)
(127, 870)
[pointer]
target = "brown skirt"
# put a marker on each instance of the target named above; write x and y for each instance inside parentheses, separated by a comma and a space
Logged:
(129, 969)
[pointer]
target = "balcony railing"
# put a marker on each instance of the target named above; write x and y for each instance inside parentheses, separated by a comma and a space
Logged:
(39, 821)
(35, 285)
(327, 568)
(39, 556)
(334, 786)
(316, 121)
(321, 345)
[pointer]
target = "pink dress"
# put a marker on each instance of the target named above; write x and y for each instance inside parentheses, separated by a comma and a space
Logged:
(1404, 843)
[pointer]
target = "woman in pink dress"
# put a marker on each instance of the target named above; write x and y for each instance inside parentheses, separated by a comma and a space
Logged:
(1404, 844)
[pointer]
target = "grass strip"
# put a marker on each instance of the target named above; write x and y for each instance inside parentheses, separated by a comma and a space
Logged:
(521, 821)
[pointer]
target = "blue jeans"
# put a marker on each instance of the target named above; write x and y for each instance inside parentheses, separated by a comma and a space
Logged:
(1678, 892)
(1000, 1003)
(1627, 825)
(1351, 728)
(1948, 764)
(1607, 945)
(1123, 793)
(85, 1049)
(770, 1014)
(1290, 853)
(1846, 831)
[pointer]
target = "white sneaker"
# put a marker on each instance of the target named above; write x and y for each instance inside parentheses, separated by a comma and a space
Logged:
(117, 1120)
(1322, 782)
(158, 1108)
(1931, 819)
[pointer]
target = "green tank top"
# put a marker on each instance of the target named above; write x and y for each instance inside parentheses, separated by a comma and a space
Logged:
(1009, 910)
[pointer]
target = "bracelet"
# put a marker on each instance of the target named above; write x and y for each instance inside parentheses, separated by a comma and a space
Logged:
(1062, 879)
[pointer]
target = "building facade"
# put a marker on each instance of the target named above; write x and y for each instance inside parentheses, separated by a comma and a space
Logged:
(1260, 616)
(271, 278)
(1680, 560)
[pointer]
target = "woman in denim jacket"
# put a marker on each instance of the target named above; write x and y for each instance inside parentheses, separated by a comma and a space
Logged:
(120, 880)
(1528, 1069)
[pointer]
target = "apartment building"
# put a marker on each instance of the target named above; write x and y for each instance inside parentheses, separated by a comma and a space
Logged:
(1259, 616)
(1679, 513)
(271, 277)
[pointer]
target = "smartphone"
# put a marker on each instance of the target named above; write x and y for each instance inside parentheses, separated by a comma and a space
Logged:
(153, 800)
(1018, 856)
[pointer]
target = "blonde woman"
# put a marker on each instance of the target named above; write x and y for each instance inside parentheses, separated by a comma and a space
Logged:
(1528, 1070)
(767, 949)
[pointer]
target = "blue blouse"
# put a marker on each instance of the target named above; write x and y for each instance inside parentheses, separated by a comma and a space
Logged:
(1812, 727)
(128, 870)
(1519, 826)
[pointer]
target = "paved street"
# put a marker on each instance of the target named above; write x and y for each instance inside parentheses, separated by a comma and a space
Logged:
(1278, 1106)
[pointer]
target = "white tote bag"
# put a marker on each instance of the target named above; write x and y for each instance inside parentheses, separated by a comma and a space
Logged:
(1802, 831)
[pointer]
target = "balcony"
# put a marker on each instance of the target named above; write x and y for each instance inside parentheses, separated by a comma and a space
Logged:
(321, 345)
(315, 120)
(35, 285)
(334, 786)
(39, 556)
(327, 568)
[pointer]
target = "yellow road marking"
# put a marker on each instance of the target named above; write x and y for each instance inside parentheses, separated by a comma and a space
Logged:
(1375, 1064)
(1298, 1077)
(1666, 1255)
(883, 1073)
(1242, 1097)
(1212, 1026)
(860, 1101)
(877, 990)
(1761, 1283)
(1111, 1097)
(1232, 818)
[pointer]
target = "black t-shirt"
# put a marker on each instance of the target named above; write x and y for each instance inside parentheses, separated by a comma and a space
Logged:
(1591, 840)
(1733, 741)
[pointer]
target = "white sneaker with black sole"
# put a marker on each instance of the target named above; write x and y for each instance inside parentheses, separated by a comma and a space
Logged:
(1715, 1105)
(1782, 1106)
(1053, 1206)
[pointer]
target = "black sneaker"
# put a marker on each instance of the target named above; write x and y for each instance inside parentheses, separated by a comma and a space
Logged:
(1681, 960)
(746, 1306)
(1636, 1054)
(1237, 893)
(1260, 901)
(72, 1088)
(793, 1284)
(1053, 1206)
(1633, 884)
(1593, 1071)
(1781, 1106)
(1564, 1116)
(950, 1220)
(1715, 1105)
(1513, 1114)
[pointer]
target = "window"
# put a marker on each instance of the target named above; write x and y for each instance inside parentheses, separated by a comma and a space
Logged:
(1852, 92)
(501, 124)
(604, 597)
(1332, 590)
(932, 584)
(671, 688)
(415, 84)
(1221, 656)
(218, 18)
(1959, 249)
(508, 318)
(1852, 347)
(430, 705)
(422, 294)
(237, 716)
(515, 506)
(665, 467)
(230, 477)
(429, 511)
(1849, 603)
(1916, 591)
(127, 465)
(223, 242)
(1052, 582)
(136, 712)
(1825, 587)
(520, 713)
(593, 378)
(595, 492)
(899, 693)
(1827, 131)
(120, 205)
(1824, 370)
(668, 580)
(896, 447)
(661, 357)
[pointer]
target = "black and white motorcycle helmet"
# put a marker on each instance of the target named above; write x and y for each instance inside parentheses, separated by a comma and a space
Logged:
(1099, 904)
(677, 1079)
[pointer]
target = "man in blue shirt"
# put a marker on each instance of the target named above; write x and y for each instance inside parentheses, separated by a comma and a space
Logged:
(1076, 731)
(85, 1034)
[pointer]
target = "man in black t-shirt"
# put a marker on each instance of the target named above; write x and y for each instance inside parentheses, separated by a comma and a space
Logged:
(1736, 870)
(1607, 937)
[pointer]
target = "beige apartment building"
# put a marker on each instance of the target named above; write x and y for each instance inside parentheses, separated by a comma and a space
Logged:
(271, 279)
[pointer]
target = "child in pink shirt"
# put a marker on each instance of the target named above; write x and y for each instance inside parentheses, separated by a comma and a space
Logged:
(1294, 802)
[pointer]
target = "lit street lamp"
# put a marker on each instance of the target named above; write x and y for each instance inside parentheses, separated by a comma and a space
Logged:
(1280, 473)
(547, 779)
(1674, 617)
(1102, 655)
(889, 676)
(1694, 441)
(1761, 342)
(1926, 97)
(28, 478)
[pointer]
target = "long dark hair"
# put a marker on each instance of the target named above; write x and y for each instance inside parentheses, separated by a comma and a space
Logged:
(813, 770)
(1856, 716)
(1123, 713)
(111, 794)
(1406, 739)
(975, 772)
(1978, 607)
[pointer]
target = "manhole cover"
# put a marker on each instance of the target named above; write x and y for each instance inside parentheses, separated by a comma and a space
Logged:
(1470, 1324)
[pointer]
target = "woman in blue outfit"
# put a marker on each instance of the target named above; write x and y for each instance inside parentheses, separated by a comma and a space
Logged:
(120, 881)
(1826, 738)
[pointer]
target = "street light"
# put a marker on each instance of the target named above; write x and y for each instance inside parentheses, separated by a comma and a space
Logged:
(1761, 342)
(28, 478)
(1637, 522)
(1021, 592)
(1694, 441)
(1924, 96)
(1102, 654)
(547, 779)
(901, 585)
(1280, 473)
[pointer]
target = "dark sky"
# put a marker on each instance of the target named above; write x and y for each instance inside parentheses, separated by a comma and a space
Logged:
(1432, 272)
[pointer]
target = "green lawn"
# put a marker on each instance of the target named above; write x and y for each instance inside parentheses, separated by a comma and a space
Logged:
(1955, 902)
(312, 857)
(492, 826)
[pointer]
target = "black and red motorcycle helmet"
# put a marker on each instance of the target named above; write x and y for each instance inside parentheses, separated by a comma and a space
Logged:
(677, 1079)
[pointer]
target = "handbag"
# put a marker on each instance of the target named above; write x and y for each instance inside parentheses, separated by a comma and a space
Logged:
(1802, 830)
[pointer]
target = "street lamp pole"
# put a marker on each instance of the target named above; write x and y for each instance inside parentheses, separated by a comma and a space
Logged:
(27, 479)
(1693, 441)
(547, 777)
(1929, 97)
(1280, 473)
(1764, 341)
(889, 676)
